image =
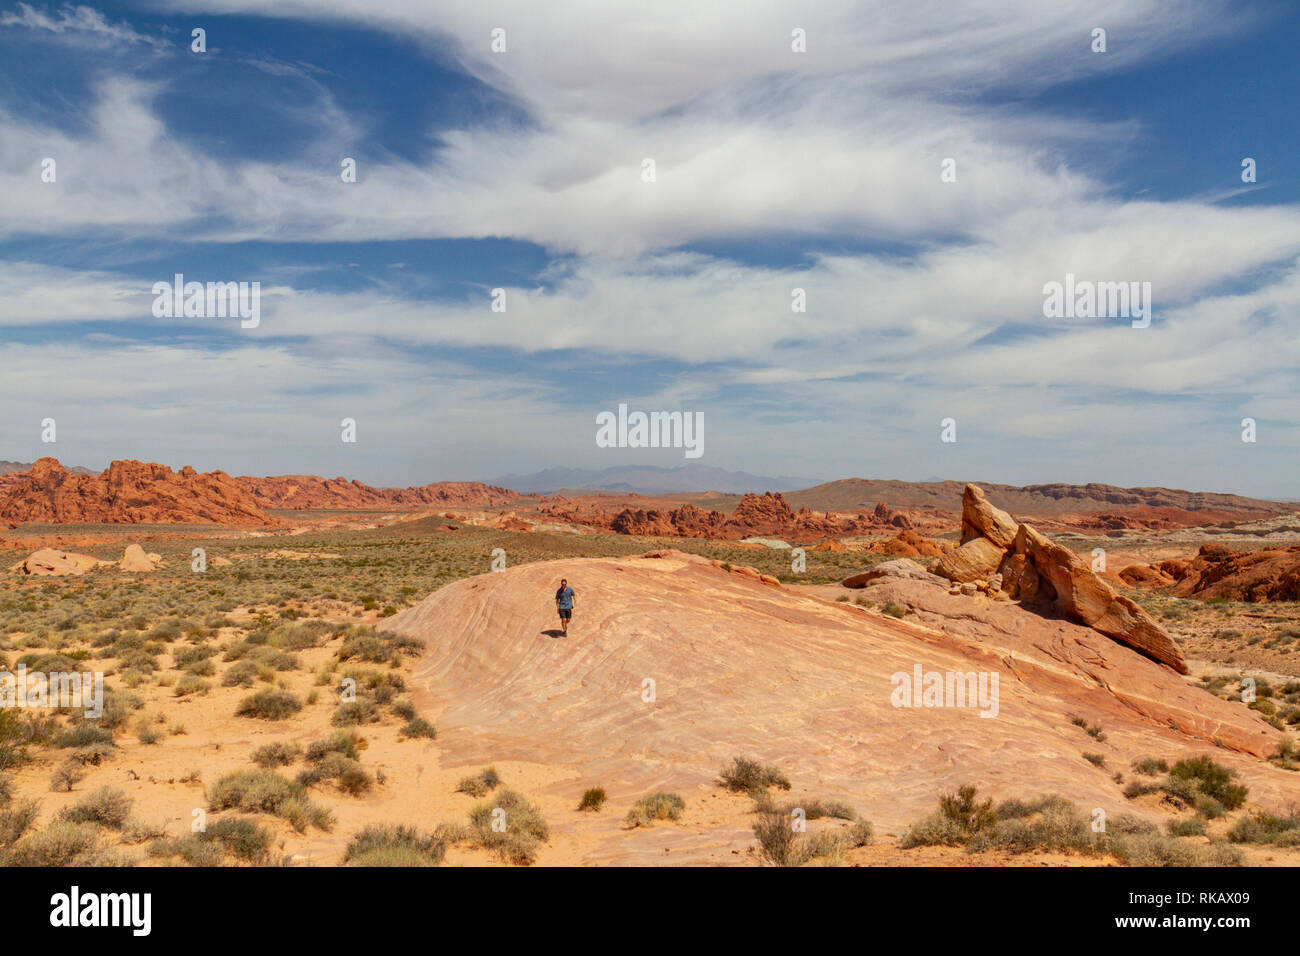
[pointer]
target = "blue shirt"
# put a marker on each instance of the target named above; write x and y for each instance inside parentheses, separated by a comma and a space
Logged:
(565, 596)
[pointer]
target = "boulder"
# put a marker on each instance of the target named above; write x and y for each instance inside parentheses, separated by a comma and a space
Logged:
(1142, 576)
(134, 559)
(979, 519)
(1031, 567)
(977, 558)
(902, 568)
(1083, 595)
(50, 562)
(830, 544)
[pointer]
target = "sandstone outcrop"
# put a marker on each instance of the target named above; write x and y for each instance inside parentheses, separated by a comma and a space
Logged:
(309, 491)
(130, 492)
(1270, 574)
(1033, 568)
(902, 568)
(135, 559)
(51, 562)
(795, 679)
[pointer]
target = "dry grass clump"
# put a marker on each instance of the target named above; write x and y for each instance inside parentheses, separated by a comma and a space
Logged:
(1055, 824)
(657, 806)
(264, 791)
(783, 841)
(510, 826)
(400, 846)
(480, 784)
(270, 705)
(745, 775)
(1197, 783)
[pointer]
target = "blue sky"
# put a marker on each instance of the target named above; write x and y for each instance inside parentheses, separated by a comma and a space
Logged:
(775, 170)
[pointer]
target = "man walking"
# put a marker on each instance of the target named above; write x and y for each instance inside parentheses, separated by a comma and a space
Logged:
(564, 604)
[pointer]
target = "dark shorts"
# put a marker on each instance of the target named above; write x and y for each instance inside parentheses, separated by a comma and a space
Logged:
(566, 613)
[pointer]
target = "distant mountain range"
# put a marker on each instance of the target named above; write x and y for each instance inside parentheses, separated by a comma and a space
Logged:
(14, 467)
(850, 494)
(650, 480)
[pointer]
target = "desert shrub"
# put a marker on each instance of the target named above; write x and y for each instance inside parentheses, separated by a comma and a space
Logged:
(1138, 788)
(13, 739)
(893, 609)
(348, 744)
(352, 713)
(817, 809)
(480, 784)
(1150, 767)
(1185, 828)
(378, 648)
(390, 845)
(274, 658)
(277, 754)
(270, 705)
(861, 833)
(190, 848)
(240, 674)
(959, 817)
(189, 656)
(265, 791)
(83, 735)
(118, 707)
(1056, 825)
(779, 844)
(750, 776)
(1213, 779)
(525, 827)
(61, 843)
(93, 755)
(190, 684)
(1267, 828)
(15, 821)
(344, 771)
(136, 830)
(592, 799)
(242, 837)
(1094, 731)
(67, 775)
(105, 807)
(48, 663)
(1156, 849)
(657, 806)
(302, 635)
(1097, 760)
(825, 848)
(1197, 782)
(419, 727)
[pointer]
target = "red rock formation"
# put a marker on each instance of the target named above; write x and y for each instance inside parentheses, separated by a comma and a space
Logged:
(907, 544)
(130, 492)
(309, 491)
(54, 563)
(1003, 554)
(1272, 574)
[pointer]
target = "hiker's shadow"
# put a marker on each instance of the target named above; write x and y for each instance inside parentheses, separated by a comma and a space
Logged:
(553, 632)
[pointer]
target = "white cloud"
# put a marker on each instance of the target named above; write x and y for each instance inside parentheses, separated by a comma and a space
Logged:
(76, 24)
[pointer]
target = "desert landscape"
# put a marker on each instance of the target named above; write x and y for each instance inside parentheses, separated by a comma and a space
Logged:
(703, 442)
(326, 673)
